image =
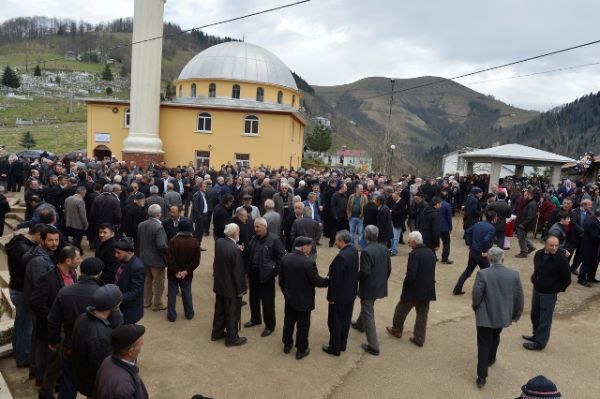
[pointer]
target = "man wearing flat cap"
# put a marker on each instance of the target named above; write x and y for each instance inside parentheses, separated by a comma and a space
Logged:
(298, 278)
(183, 257)
(118, 376)
(91, 336)
(229, 287)
(130, 279)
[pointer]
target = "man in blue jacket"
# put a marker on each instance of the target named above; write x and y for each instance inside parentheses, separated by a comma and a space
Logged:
(445, 228)
(479, 238)
(130, 277)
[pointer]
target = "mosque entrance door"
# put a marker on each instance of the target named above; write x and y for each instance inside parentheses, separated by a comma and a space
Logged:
(101, 152)
(202, 159)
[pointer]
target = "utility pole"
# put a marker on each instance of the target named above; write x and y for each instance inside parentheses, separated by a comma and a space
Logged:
(387, 139)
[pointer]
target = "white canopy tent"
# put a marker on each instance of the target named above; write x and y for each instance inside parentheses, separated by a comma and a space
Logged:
(518, 155)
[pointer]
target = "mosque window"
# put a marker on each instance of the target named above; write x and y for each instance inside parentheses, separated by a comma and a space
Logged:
(212, 90)
(279, 97)
(180, 91)
(260, 94)
(204, 122)
(127, 117)
(193, 90)
(235, 91)
(251, 124)
(293, 100)
(242, 160)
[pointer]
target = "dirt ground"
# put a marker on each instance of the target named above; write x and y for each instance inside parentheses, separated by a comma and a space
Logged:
(178, 359)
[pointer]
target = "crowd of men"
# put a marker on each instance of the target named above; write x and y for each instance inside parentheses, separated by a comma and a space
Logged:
(146, 226)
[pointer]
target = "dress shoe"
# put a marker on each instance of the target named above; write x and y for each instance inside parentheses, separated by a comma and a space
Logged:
(506, 249)
(318, 244)
(531, 346)
(521, 255)
(206, 234)
(481, 382)
(250, 323)
(238, 342)
(24, 365)
(528, 338)
(393, 332)
(584, 283)
(392, 254)
(447, 262)
(266, 332)
(356, 327)
(202, 249)
(414, 341)
(287, 349)
(594, 281)
(367, 348)
(159, 308)
(244, 303)
(328, 350)
(490, 364)
(216, 338)
(532, 249)
(146, 306)
(458, 293)
(574, 271)
(302, 355)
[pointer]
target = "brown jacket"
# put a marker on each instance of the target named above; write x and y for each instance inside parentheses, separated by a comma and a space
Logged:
(183, 254)
(363, 202)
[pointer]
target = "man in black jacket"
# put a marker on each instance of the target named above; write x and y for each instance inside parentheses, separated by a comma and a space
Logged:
(306, 226)
(418, 290)
(429, 225)
(91, 336)
(298, 278)
(551, 275)
(264, 254)
(221, 215)
(398, 221)
(16, 248)
(502, 209)
(134, 213)
(229, 287)
(339, 215)
(70, 302)
(526, 221)
(375, 269)
(590, 246)
(384, 222)
(343, 282)
(105, 251)
(42, 297)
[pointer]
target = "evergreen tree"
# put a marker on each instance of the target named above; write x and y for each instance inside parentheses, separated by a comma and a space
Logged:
(319, 139)
(10, 78)
(109, 91)
(27, 140)
(107, 73)
(37, 71)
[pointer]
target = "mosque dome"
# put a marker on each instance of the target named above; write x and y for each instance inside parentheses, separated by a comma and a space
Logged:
(239, 61)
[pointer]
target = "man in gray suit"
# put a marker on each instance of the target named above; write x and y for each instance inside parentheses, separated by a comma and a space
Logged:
(154, 198)
(498, 302)
(374, 271)
(76, 217)
(153, 247)
(172, 197)
(272, 217)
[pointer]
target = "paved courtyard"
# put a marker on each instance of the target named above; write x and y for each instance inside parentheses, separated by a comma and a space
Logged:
(179, 360)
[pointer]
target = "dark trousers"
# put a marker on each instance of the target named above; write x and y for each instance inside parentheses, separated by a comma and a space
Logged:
(339, 317)
(200, 227)
(445, 236)
(39, 349)
(500, 238)
(402, 310)
(475, 259)
(301, 320)
(77, 237)
(588, 270)
(262, 293)
(68, 388)
(51, 373)
(488, 340)
(576, 257)
(226, 318)
(337, 225)
(542, 309)
(207, 222)
(173, 285)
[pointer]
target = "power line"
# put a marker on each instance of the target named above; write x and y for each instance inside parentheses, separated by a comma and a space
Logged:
(442, 80)
(534, 73)
(225, 21)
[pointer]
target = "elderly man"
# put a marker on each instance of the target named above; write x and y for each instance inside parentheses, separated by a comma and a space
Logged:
(272, 218)
(497, 302)
(171, 224)
(229, 287)
(247, 201)
(418, 290)
(264, 254)
(155, 198)
(75, 216)
(384, 221)
(343, 283)
(134, 213)
(200, 212)
(283, 201)
(172, 197)
(153, 247)
(339, 212)
(551, 275)
(298, 278)
(374, 271)
(526, 221)
(130, 279)
(579, 217)
(308, 227)
(590, 246)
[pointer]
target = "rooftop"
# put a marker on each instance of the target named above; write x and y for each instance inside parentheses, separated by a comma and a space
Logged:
(517, 152)
(351, 153)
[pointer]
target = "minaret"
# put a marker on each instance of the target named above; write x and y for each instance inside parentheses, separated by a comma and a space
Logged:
(143, 144)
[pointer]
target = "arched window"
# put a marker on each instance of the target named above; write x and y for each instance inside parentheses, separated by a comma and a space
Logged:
(180, 90)
(279, 97)
(193, 90)
(235, 91)
(293, 100)
(127, 117)
(260, 94)
(251, 124)
(204, 122)
(212, 90)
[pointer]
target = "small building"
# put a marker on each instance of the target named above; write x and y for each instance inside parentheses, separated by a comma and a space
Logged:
(321, 121)
(453, 163)
(358, 159)
(71, 55)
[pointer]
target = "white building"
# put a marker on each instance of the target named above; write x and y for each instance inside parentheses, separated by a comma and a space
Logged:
(322, 121)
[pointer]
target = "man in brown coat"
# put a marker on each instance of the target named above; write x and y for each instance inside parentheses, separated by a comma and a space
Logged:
(183, 257)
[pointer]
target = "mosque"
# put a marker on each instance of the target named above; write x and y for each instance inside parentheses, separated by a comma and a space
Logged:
(235, 103)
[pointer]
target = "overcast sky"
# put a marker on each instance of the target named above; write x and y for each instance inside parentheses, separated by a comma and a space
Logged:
(331, 42)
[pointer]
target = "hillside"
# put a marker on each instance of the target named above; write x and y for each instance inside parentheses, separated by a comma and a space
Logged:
(426, 122)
